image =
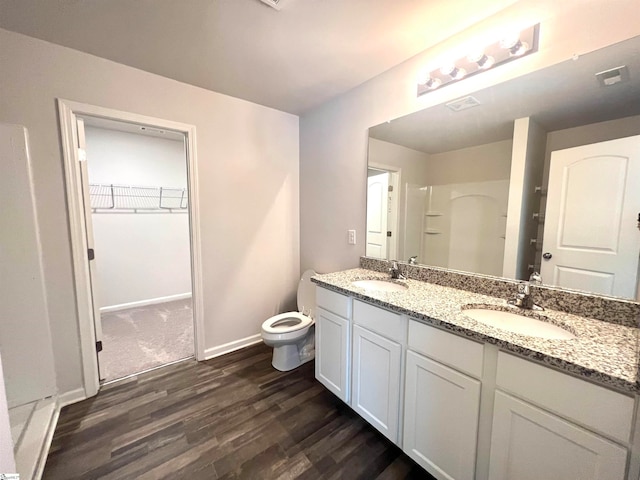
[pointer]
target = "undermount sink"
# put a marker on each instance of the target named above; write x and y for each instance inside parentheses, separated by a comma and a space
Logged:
(380, 285)
(516, 323)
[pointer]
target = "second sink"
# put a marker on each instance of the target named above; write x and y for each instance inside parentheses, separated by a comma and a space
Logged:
(516, 323)
(380, 285)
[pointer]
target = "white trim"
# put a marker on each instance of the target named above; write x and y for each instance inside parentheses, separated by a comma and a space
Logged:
(68, 111)
(144, 303)
(71, 397)
(33, 447)
(136, 374)
(232, 346)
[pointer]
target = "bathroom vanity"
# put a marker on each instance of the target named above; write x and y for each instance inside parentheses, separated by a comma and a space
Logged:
(467, 400)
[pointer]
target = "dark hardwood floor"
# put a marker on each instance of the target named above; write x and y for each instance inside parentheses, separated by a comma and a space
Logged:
(231, 417)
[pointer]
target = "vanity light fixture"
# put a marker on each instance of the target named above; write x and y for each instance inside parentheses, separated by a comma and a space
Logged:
(509, 48)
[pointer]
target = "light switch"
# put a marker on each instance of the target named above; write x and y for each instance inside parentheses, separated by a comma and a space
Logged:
(352, 237)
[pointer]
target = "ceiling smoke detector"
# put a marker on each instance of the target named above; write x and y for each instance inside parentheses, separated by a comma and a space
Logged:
(277, 4)
(463, 103)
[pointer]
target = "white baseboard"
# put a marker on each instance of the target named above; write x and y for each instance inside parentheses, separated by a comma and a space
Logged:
(33, 447)
(232, 346)
(68, 398)
(143, 303)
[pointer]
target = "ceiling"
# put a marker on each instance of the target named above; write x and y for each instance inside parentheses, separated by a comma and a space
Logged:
(293, 59)
(562, 96)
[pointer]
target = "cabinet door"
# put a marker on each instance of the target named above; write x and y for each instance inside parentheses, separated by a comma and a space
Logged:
(530, 444)
(441, 418)
(332, 355)
(376, 380)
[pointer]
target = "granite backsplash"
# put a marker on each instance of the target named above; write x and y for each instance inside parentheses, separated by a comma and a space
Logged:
(609, 309)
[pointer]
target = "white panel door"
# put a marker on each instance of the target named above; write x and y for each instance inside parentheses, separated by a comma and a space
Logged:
(377, 210)
(441, 418)
(332, 354)
(591, 240)
(376, 380)
(530, 444)
(88, 221)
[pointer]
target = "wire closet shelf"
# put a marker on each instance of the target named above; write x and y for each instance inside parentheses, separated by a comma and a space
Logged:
(138, 198)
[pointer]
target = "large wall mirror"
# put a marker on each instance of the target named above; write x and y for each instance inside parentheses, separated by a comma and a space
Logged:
(540, 173)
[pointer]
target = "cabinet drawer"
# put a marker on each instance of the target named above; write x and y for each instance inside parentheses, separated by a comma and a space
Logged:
(460, 353)
(591, 405)
(388, 324)
(333, 302)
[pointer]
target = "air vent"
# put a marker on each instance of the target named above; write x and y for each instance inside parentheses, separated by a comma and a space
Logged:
(277, 4)
(612, 76)
(463, 103)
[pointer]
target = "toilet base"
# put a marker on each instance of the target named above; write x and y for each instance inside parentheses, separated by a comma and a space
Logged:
(287, 357)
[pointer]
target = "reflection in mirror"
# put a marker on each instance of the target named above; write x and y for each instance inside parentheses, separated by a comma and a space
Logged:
(501, 182)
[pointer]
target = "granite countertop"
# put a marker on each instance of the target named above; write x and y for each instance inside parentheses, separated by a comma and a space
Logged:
(602, 352)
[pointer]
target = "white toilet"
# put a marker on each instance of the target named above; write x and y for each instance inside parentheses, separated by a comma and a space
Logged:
(292, 334)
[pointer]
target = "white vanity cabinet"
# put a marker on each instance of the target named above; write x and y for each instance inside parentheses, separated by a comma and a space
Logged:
(530, 442)
(442, 402)
(333, 355)
(379, 337)
(465, 410)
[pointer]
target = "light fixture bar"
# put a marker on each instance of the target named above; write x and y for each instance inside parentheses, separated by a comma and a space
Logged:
(505, 50)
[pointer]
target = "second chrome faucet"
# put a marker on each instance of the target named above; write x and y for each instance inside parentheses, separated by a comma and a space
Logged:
(395, 271)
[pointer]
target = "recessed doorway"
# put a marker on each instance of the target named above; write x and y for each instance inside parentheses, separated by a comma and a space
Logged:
(160, 201)
(139, 205)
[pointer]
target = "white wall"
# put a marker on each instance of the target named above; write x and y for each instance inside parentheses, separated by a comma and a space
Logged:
(480, 163)
(140, 256)
(333, 137)
(526, 174)
(135, 159)
(248, 169)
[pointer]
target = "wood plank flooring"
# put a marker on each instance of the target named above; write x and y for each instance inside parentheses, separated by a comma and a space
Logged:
(233, 417)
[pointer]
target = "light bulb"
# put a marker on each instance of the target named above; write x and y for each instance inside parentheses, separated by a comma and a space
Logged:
(433, 83)
(423, 77)
(510, 40)
(447, 69)
(453, 71)
(520, 48)
(486, 62)
(475, 57)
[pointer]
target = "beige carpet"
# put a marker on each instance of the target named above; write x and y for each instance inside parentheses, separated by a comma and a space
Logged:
(140, 338)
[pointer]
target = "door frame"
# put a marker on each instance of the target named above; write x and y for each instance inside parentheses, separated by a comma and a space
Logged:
(68, 112)
(395, 180)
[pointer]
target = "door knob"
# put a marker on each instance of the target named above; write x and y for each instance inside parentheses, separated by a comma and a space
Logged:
(547, 256)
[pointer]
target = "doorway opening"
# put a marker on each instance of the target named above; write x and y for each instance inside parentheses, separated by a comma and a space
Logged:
(132, 200)
(138, 208)
(383, 185)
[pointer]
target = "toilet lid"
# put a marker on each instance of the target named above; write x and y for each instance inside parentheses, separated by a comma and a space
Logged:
(286, 322)
(307, 294)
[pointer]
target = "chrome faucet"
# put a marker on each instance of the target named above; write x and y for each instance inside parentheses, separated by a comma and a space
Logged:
(523, 298)
(395, 272)
(413, 260)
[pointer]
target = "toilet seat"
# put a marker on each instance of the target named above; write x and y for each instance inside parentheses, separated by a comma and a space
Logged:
(286, 322)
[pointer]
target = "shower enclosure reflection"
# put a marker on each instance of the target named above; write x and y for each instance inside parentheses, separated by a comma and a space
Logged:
(462, 225)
